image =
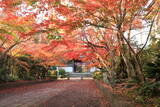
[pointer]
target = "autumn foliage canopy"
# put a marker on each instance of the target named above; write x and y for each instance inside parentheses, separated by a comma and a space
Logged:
(98, 32)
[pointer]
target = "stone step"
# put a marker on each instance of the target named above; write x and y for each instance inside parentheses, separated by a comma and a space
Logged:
(79, 74)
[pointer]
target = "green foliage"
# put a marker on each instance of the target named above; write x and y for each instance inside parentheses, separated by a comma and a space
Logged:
(49, 72)
(79, 69)
(54, 37)
(62, 73)
(152, 69)
(141, 99)
(134, 79)
(52, 74)
(8, 78)
(151, 60)
(120, 68)
(24, 68)
(33, 71)
(149, 89)
(98, 75)
(8, 69)
(38, 71)
(32, 2)
(3, 31)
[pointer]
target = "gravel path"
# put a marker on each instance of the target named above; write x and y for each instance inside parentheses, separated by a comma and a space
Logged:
(62, 93)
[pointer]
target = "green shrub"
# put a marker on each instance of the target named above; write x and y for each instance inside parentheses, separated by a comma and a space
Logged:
(52, 74)
(29, 78)
(22, 67)
(8, 78)
(49, 72)
(141, 99)
(149, 89)
(98, 75)
(151, 69)
(62, 73)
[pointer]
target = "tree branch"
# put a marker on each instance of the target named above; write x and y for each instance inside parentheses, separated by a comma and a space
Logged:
(150, 31)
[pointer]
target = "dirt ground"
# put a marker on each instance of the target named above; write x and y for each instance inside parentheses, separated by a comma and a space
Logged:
(61, 93)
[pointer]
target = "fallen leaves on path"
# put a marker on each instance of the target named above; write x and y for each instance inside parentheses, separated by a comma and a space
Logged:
(63, 93)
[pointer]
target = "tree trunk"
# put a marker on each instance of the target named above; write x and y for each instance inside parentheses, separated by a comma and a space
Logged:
(138, 68)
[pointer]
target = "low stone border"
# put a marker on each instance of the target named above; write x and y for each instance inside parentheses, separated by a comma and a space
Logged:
(114, 99)
(23, 83)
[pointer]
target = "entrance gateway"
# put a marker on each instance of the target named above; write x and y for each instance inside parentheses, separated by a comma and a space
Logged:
(76, 66)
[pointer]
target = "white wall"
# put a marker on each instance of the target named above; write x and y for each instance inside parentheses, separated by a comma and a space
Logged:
(70, 69)
(93, 69)
(67, 69)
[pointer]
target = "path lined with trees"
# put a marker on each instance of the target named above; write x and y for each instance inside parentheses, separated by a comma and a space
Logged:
(63, 93)
(36, 35)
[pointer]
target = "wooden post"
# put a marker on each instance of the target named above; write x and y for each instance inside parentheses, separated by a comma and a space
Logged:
(81, 77)
(68, 78)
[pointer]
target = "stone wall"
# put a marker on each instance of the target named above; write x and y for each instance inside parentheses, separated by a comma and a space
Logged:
(114, 99)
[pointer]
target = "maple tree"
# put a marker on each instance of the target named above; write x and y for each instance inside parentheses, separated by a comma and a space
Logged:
(121, 17)
(98, 32)
(37, 34)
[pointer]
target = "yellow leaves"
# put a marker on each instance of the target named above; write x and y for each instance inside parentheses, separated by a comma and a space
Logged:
(31, 2)
(16, 52)
(10, 30)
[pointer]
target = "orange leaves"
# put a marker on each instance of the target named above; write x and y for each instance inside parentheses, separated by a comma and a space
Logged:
(63, 10)
(35, 50)
(1, 49)
(95, 44)
(91, 6)
(8, 37)
(9, 5)
(10, 17)
(137, 23)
